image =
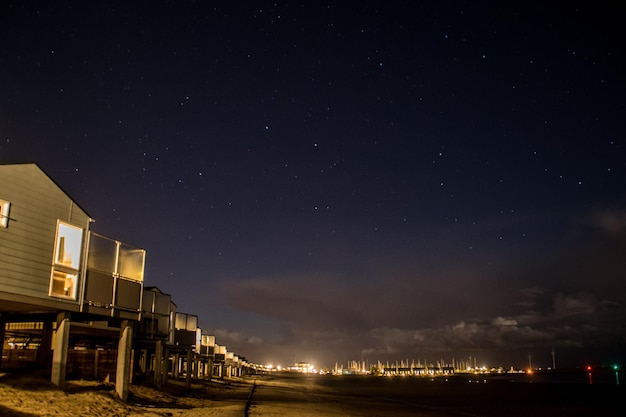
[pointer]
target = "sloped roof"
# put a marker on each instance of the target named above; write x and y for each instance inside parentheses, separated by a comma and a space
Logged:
(35, 167)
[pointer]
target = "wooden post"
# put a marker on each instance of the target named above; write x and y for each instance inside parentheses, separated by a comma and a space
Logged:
(145, 364)
(2, 333)
(144, 361)
(132, 365)
(96, 363)
(43, 351)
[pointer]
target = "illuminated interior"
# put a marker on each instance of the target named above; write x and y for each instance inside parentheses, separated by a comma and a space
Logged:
(63, 284)
(66, 262)
(68, 246)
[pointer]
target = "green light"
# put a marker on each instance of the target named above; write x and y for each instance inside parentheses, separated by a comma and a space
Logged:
(615, 367)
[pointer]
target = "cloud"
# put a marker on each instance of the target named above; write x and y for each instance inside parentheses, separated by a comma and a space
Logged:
(456, 338)
(402, 294)
(571, 299)
(533, 292)
(566, 305)
(311, 301)
(574, 321)
(227, 337)
(609, 221)
(501, 321)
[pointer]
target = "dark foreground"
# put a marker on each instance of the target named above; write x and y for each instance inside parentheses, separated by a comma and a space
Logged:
(23, 395)
(360, 396)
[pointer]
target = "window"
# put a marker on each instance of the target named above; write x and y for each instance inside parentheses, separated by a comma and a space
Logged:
(4, 213)
(67, 250)
(66, 261)
(63, 284)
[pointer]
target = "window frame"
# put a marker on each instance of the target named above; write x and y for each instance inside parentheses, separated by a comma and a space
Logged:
(5, 208)
(70, 269)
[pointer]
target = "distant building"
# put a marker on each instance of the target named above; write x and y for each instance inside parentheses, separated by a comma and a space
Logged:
(302, 367)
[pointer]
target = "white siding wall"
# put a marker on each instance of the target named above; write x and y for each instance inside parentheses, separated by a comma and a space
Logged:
(27, 244)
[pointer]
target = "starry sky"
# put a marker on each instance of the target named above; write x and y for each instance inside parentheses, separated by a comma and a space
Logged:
(330, 181)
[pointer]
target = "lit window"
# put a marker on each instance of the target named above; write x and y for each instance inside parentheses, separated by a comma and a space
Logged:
(63, 284)
(66, 262)
(4, 213)
(69, 241)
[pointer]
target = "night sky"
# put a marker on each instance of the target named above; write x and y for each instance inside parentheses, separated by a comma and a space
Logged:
(331, 181)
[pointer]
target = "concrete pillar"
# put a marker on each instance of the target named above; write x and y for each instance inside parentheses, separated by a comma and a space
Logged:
(122, 375)
(158, 364)
(144, 362)
(60, 348)
(165, 370)
(189, 366)
(175, 365)
(196, 366)
(210, 367)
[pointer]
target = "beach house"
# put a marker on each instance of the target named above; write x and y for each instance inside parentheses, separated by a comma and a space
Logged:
(77, 285)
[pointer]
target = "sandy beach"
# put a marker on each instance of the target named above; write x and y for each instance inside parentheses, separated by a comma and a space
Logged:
(30, 395)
